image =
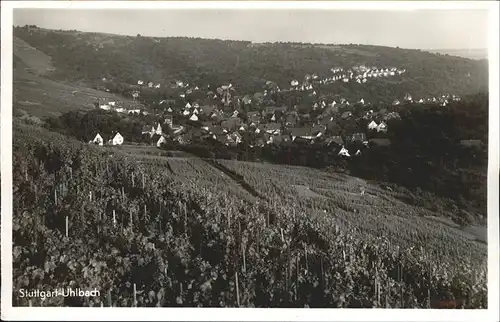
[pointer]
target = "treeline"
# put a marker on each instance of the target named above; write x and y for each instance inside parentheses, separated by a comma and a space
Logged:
(246, 66)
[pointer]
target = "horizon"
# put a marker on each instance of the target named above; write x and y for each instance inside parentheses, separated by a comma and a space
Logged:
(422, 29)
(257, 42)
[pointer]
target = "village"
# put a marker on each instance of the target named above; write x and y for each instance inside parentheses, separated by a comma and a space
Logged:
(332, 121)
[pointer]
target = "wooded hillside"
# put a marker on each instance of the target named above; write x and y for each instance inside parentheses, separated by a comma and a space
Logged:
(89, 57)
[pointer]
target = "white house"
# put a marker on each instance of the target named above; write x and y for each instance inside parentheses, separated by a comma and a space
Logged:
(373, 125)
(185, 113)
(157, 86)
(139, 82)
(117, 139)
(97, 140)
(111, 103)
(105, 107)
(344, 152)
(120, 110)
(161, 140)
(294, 82)
(382, 127)
(358, 152)
(195, 111)
(362, 101)
(169, 110)
(134, 112)
(188, 105)
(159, 129)
(364, 80)
(194, 117)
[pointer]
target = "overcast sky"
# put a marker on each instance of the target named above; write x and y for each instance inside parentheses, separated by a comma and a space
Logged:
(423, 29)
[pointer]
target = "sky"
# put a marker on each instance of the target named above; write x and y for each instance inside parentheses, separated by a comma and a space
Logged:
(418, 29)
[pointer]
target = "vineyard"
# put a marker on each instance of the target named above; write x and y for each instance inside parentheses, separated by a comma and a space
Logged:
(179, 232)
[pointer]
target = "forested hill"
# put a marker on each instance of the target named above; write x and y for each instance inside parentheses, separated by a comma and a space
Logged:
(79, 56)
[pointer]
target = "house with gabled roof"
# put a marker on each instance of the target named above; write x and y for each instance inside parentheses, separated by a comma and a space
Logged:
(382, 127)
(194, 118)
(117, 139)
(344, 152)
(373, 125)
(97, 140)
(235, 137)
(160, 141)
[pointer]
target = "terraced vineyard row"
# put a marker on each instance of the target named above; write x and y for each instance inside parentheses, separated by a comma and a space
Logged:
(370, 213)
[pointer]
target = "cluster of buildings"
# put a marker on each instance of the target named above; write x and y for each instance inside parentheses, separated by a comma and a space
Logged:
(359, 74)
(273, 125)
(442, 100)
(231, 124)
(113, 106)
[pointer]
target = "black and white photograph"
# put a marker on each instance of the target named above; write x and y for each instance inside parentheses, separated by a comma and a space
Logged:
(230, 156)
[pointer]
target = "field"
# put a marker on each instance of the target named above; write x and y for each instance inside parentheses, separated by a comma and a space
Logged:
(31, 59)
(42, 97)
(36, 95)
(171, 231)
